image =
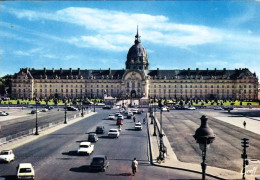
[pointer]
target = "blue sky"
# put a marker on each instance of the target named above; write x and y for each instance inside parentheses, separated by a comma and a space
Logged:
(98, 34)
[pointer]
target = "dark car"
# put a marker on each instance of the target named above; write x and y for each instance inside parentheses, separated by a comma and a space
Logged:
(49, 107)
(99, 162)
(71, 108)
(92, 137)
(100, 130)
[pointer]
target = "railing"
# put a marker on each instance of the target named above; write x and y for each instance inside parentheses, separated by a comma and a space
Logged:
(28, 132)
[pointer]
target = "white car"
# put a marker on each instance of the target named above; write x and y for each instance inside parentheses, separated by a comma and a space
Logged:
(114, 133)
(138, 126)
(85, 148)
(3, 113)
(191, 108)
(44, 110)
(134, 111)
(121, 117)
(218, 108)
(25, 171)
(7, 156)
(111, 116)
(164, 108)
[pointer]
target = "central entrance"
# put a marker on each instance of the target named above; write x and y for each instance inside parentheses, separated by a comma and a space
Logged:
(133, 94)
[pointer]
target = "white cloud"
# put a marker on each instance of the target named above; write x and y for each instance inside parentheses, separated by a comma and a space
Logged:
(212, 63)
(22, 53)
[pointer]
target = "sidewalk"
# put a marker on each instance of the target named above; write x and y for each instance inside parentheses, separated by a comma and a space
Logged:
(172, 161)
(26, 139)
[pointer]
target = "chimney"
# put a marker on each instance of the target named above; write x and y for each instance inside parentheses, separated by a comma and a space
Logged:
(53, 70)
(109, 70)
(44, 69)
(61, 71)
(78, 71)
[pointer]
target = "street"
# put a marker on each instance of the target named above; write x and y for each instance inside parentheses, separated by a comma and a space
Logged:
(54, 155)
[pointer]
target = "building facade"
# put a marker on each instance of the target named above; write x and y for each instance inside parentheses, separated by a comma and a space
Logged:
(135, 81)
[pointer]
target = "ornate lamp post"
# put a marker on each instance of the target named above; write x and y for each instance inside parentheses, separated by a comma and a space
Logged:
(65, 120)
(36, 125)
(161, 134)
(82, 114)
(204, 135)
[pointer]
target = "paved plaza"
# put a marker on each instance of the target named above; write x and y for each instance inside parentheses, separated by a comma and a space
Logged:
(225, 152)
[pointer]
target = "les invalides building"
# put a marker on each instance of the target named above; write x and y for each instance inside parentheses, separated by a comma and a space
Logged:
(135, 81)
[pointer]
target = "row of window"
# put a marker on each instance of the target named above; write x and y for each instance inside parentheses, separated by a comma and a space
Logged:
(205, 91)
(201, 86)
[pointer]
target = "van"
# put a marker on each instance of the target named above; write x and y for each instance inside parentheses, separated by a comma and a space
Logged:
(25, 171)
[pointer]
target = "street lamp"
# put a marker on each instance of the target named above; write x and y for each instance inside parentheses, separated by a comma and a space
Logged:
(82, 114)
(36, 125)
(65, 120)
(161, 134)
(204, 135)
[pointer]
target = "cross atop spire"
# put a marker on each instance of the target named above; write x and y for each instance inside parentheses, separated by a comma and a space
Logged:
(137, 37)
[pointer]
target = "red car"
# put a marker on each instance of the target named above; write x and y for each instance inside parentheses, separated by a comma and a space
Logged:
(119, 122)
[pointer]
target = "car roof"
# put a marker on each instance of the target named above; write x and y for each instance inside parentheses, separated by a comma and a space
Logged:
(85, 143)
(113, 129)
(92, 133)
(6, 150)
(25, 165)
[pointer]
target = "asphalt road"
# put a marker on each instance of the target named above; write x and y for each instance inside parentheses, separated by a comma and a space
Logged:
(27, 120)
(54, 156)
(225, 152)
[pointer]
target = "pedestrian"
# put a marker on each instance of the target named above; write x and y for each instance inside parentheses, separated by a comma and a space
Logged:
(244, 124)
(134, 118)
(134, 166)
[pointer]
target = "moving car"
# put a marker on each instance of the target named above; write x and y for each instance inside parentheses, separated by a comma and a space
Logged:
(49, 107)
(2, 113)
(99, 162)
(114, 133)
(165, 108)
(25, 171)
(85, 148)
(138, 126)
(7, 156)
(134, 111)
(111, 116)
(100, 129)
(92, 137)
(120, 117)
(119, 122)
(129, 115)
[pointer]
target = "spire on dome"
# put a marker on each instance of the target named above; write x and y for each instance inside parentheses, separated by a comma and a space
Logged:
(137, 37)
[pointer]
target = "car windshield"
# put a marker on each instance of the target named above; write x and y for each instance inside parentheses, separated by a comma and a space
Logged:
(25, 170)
(4, 153)
(98, 160)
(91, 136)
(84, 146)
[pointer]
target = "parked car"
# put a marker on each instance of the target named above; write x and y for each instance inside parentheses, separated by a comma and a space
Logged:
(228, 108)
(138, 126)
(165, 108)
(2, 113)
(49, 107)
(92, 137)
(34, 111)
(191, 108)
(114, 133)
(107, 107)
(99, 162)
(72, 108)
(85, 148)
(7, 156)
(134, 110)
(111, 116)
(25, 171)
(44, 110)
(139, 111)
(100, 129)
(217, 108)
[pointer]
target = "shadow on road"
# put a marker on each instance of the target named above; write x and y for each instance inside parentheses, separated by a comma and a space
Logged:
(83, 169)
(120, 174)
(10, 177)
(132, 129)
(70, 153)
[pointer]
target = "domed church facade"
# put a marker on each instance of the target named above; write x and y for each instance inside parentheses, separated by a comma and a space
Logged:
(135, 81)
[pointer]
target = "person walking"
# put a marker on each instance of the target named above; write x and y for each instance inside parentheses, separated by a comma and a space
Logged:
(134, 166)
(134, 118)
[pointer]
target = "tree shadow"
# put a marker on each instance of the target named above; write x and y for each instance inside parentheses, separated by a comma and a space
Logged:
(104, 137)
(131, 129)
